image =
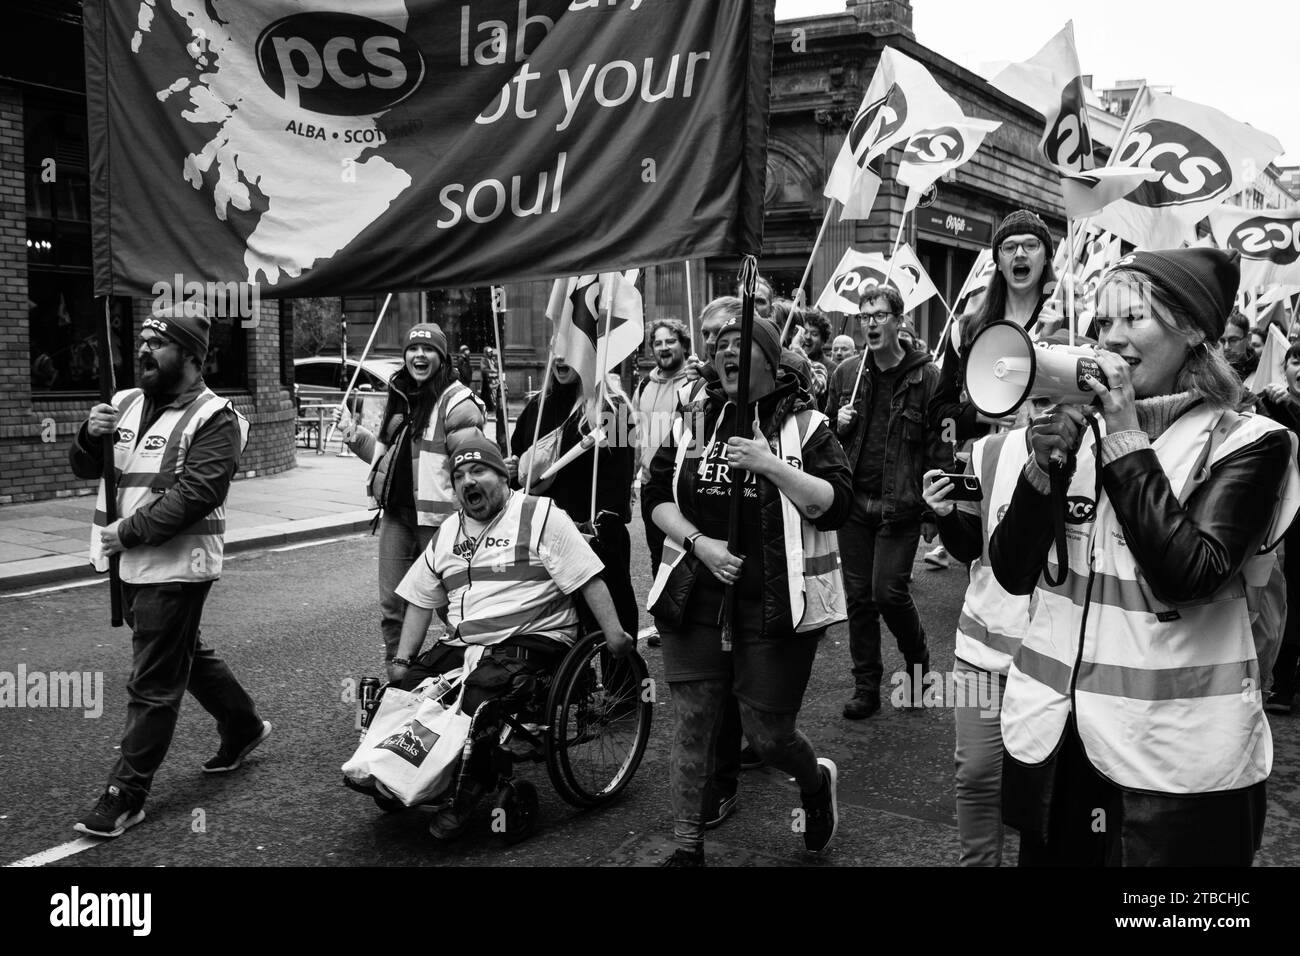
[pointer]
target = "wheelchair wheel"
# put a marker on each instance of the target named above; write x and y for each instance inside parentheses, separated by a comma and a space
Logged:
(598, 724)
(518, 801)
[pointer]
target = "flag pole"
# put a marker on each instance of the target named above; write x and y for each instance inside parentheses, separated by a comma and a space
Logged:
(889, 271)
(937, 352)
(748, 282)
(498, 317)
(799, 297)
(1068, 278)
(537, 425)
(690, 306)
(357, 371)
(107, 388)
(602, 353)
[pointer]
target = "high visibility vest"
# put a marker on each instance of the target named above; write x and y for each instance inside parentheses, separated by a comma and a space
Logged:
(1166, 698)
(147, 469)
(812, 558)
(992, 622)
(501, 588)
(435, 500)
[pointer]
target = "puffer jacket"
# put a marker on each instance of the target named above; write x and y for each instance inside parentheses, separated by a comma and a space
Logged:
(823, 457)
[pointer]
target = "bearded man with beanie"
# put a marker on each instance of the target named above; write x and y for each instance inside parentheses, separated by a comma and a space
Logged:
(427, 407)
(892, 431)
(1136, 691)
(472, 576)
(176, 447)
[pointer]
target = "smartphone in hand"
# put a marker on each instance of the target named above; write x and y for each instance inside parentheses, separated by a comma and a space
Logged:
(964, 487)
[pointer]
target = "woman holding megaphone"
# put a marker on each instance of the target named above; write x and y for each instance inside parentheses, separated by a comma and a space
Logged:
(1133, 719)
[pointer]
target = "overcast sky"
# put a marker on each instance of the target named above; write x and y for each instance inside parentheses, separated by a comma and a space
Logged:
(1241, 57)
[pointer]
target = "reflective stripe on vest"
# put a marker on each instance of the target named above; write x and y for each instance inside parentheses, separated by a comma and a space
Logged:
(435, 499)
(148, 466)
(813, 577)
(503, 589)
(1168, 699)
(992, 622)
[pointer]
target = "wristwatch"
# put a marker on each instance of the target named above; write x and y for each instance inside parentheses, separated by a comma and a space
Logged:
(401, 661)
(689, 543)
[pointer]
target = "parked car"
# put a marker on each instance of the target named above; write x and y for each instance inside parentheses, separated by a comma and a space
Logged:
(320, 379)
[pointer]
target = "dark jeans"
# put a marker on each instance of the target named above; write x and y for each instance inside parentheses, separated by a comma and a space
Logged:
(654, 538)
(399, 545)
(170, 658)
(877, 561)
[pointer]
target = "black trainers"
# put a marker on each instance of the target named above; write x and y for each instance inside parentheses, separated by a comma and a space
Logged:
(452, 820)
(230, 756)
(1279, 703)
(682, 857)
(717, 810)
(749, 758)
(112, 816)
(653, 639)
(862, 706)
(822, 810)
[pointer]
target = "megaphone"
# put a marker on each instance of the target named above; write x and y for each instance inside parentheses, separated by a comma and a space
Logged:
(1003, 367)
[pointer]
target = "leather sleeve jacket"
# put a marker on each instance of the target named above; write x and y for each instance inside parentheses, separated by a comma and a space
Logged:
(1187, 552)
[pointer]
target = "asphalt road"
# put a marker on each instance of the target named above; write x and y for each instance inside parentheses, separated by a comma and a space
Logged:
(297, 625)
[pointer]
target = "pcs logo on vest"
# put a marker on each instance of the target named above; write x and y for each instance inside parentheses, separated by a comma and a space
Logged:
(123, 435)
(153, 445)
(1079, 510)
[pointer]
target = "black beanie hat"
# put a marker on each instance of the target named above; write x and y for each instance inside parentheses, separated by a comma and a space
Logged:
(1202, 282)
(187, 325)
(1019, 223)
(428, 333)
(766, 336)
(477, 448)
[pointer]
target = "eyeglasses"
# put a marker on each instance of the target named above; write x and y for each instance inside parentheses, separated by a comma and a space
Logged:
(877, 318)
(1030, 246)
(153, 343)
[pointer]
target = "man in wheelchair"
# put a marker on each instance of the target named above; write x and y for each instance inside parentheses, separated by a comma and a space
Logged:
(501, 572)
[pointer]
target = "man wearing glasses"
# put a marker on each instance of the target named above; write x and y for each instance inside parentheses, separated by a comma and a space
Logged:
(893, 434)
(176, 447)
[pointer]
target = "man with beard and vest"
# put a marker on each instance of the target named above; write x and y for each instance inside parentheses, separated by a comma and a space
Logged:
(500, 572)
(177, 447)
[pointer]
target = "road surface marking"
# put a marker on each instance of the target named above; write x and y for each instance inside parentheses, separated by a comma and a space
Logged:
(304, 544)
(57, 587)
(54, 854)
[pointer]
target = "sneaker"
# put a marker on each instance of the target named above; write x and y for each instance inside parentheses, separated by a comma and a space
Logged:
(112, 816)
(453, 818)
(862, 706)
(716, 811)
(682, 857)
(1279, 703)
(653, 639)
(749, 758)
(937, 559)
(822, 810)
(229, 757)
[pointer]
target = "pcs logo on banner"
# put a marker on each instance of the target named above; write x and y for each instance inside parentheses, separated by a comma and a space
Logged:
(1068, 143)
(933, 146)
(339, 64)
(877, 121)
(1276, 240)
(853, 285)
(1192, 168)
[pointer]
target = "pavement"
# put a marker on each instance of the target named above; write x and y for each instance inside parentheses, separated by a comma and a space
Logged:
(46, 542)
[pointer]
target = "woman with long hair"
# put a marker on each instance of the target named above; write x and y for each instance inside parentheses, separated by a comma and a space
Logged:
(1018, 289)
(1133, 720)
(425, 410)
(564, 424)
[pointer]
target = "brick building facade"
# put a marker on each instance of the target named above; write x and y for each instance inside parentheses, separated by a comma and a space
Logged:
(48, 318)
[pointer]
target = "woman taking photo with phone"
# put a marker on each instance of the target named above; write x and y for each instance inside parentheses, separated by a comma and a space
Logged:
(1133, 719)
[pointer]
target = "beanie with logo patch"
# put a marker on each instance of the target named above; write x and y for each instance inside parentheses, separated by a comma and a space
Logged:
(477, 449)
(187, 325)
(1201, 282)
(427, 333)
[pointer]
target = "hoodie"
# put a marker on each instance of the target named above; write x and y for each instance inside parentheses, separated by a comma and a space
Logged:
(655, 404)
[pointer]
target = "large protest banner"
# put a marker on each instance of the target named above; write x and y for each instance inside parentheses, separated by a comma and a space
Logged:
(420, 143)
